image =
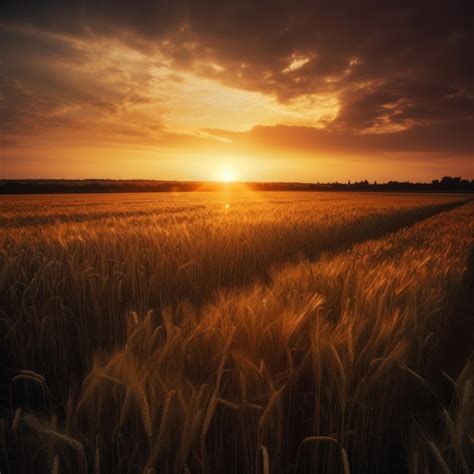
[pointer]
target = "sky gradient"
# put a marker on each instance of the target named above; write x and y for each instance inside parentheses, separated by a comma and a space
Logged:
(274, 91)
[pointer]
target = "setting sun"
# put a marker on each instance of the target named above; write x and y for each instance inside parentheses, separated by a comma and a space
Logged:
(227, 175)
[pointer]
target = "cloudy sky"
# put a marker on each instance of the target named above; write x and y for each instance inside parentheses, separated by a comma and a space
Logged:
(277, 91)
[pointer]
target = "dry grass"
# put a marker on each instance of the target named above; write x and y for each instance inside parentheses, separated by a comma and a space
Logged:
(290, 332)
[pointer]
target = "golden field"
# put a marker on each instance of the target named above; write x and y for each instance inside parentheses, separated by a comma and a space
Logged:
(237, 332)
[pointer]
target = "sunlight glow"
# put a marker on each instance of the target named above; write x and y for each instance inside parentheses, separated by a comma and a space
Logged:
(226, 175)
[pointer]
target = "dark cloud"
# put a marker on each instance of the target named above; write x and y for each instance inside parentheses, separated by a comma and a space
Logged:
(454, 137)
(402, 71)
(20, 110)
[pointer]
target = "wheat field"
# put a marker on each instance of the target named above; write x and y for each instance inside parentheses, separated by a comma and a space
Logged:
(237, 332)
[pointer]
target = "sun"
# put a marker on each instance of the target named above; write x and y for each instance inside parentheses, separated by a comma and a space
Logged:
(227, 175)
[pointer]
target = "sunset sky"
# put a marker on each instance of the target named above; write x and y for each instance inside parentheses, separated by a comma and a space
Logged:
(274, 91)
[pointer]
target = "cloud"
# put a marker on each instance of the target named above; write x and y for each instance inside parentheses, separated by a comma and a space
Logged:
(106, 89)
(372, 58)
(346, 78)
(455, 137)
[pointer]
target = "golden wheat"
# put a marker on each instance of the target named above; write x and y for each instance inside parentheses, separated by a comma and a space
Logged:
(191, 337)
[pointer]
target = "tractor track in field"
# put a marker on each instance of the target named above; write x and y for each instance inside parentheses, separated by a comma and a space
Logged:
(404, 220)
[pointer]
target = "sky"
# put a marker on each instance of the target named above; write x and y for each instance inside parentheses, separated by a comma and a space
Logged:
(246, 90)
